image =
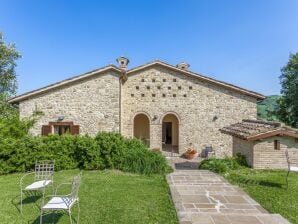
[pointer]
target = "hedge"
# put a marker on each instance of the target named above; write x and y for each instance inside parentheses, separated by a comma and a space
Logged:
(105, 151)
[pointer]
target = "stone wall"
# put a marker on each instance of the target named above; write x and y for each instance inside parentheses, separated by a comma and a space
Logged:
(92, 103)
(266, 157)
(245, 148)
(201, 107)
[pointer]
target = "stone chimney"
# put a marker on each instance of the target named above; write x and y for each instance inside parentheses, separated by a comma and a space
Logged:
(183, 65)
(123, 62)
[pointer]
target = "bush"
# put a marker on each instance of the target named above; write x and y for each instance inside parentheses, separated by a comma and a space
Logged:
(105, 151)
(223, 165)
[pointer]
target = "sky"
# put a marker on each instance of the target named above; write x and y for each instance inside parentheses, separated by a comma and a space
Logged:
(241, 42)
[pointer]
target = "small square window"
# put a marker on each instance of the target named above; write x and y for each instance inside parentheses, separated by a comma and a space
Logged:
(276, 144)
(164, 80)
(163, 95)
(174, 80)
(169, 87)
(179, 87)
(142, 94)
(132, 95)
(158, 87)
(143, 80)
(137, 87)
(148, 87)
(190, 87)
(153, 80)
(185, 95)
(153, 95)
(174, 95)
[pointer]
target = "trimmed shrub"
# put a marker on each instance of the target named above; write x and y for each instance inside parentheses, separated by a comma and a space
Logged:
(105, 151)
(223, 165)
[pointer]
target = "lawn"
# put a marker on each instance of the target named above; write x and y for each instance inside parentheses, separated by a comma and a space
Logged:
(269, 189)
(105, 197)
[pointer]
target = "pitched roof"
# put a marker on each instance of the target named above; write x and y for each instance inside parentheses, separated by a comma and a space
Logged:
(254, 129)
(131, 71)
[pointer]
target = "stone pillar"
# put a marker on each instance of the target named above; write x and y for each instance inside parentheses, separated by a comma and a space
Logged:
(155, 136)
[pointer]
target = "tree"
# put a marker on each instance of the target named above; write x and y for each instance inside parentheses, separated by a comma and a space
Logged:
(8, 83)
(287, 110)
(8, 57)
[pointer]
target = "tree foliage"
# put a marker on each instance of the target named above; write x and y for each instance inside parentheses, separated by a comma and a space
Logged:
(8, 57)
(288, 104)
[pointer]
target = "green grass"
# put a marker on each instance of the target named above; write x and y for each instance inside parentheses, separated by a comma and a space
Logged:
(269, 189)
(105, 197)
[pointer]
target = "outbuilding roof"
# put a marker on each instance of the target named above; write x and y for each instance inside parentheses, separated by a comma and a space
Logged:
(252, 130)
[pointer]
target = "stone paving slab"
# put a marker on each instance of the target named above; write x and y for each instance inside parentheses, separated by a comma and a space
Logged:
(201, 196)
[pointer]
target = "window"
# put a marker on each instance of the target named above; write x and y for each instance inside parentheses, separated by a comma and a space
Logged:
(60, 128)
(132, 95)
(190, 87)
(179, 87)
(153, 95)
(169, 87)
(174, 80)
(276, 144)
(174, 95)
(137, 87)
(163, 95)
(143, 80)
(148, 87)
(185, 95)
(158, 87)
(143, 95)
(164, 80)
(153, 80)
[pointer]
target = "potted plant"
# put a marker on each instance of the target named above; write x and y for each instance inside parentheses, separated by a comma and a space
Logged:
(190, 153)
(156, 150)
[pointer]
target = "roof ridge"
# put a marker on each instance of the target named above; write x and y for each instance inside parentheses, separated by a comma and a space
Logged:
(157, 61)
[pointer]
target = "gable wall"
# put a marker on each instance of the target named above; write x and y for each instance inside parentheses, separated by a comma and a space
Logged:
(266, 157)
(196, 111)
(92, 103)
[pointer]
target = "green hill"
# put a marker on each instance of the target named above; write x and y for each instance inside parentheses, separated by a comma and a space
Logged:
(266, 106)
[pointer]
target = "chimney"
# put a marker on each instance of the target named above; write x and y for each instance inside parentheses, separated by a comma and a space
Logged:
(183, 65)
(123, 62)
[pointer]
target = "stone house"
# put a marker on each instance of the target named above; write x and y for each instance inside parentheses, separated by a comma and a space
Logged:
(264, 143)
(168, 107)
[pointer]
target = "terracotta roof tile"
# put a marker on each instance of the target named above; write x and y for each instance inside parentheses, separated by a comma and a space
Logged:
(255, 129)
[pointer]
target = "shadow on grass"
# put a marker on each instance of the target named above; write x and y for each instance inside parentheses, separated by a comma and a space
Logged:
(248, 181)
(48, 218)
(27, 200)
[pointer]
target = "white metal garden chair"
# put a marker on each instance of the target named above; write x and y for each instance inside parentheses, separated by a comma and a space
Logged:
(63, 202)
(291, 168)
(43, 177)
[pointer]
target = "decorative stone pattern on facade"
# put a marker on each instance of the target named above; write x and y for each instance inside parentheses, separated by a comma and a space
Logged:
(110, 98)
(201, 108)
(92, 103)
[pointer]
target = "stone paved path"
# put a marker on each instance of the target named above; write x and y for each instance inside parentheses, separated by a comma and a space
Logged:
(202, 197)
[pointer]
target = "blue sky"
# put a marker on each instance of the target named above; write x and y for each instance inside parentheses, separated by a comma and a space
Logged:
(241, 42)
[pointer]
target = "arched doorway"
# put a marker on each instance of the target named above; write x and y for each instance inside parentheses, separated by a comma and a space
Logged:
(141, 128)
(170, 133)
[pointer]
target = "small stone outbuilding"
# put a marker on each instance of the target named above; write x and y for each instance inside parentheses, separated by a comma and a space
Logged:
(264, 143)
